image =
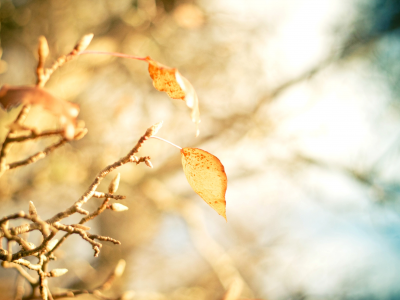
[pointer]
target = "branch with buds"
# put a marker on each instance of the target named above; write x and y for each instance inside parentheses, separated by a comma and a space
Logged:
(164, 79)
(44, 252)
(17, 132)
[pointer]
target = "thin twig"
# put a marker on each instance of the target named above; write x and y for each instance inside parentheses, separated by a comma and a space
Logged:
(35, 135)
(24, 253)
(117, 272)
(107, 195)
(87, 237)
(43, 75)
(20, 289)
(73, 294)
(161, 139)
(37, 156)
(94, 214)
(113, 54)
(76, 207)
(43, 287)
(22, 272)
(43, 226)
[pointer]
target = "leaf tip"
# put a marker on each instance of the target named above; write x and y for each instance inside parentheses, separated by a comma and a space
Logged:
(224, 215)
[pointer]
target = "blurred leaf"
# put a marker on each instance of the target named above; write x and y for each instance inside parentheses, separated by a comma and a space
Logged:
(11, 96)
(191, 99)
(206, 175)
(120, 268)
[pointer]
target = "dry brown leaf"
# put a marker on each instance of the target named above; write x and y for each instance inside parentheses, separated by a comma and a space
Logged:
(12, 96)
(206, 175)
(169, 80)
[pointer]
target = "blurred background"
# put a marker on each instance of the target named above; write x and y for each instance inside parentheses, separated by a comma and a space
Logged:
(298, 99)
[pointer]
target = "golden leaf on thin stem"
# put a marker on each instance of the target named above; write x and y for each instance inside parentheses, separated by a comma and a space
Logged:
(169, 80)
(206, 175)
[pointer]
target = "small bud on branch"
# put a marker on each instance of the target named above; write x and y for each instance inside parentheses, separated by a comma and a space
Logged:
(58, 272)
(118, 207)
(148, 163)
(154, 129)
(84, 42)
(32, 209)
(51, 244)
(113, 187)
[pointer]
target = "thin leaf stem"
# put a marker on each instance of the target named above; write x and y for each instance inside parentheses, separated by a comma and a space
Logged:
(112, 54)
(161, 139)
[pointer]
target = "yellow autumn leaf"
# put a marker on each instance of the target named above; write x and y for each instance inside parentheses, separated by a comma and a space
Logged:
(164, 79)
(170, 81)
(206, 175)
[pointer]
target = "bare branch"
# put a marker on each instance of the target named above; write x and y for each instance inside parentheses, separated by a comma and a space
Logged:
(81, 232)
(94, 214)
(22, 272)
(104, 238)
(117, 272)
(106, 195)
(24, 253)
(43, 75)
(37, 156)
(35, 135)
(130, 157)
(28, 264)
